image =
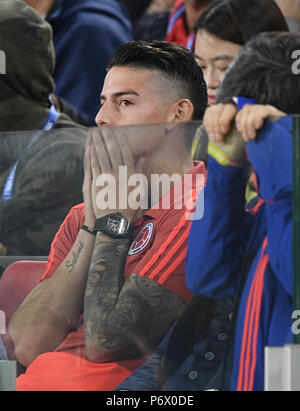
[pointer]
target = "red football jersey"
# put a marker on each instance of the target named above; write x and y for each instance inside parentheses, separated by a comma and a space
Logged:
(158, 251)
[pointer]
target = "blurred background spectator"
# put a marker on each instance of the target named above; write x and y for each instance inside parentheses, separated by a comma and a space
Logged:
(171, 20)
(41, 172)
(136, 8)
(153, 23)
(182, 20)
(85, 34)
(291, 10)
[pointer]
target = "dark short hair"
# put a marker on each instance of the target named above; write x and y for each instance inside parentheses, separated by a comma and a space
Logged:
(240, 20)
(172, 61)
(264, 71)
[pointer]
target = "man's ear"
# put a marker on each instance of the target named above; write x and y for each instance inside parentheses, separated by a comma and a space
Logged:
(182, 110)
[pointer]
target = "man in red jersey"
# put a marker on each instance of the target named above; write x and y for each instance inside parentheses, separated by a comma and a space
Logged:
(115, 279)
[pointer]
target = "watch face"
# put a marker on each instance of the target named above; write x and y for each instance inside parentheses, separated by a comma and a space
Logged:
(117, 225)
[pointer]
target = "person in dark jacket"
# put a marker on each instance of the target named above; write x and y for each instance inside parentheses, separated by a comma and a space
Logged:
(136, 8)
(153, 23)
(249, 254)
(41, 172)
(85, 35)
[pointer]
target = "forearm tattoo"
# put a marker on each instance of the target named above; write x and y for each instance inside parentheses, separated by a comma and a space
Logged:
(70, 264)
(124, 318)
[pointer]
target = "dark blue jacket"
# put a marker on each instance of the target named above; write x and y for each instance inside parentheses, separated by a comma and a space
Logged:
(260, 274)
(85, 34)
(191, 356)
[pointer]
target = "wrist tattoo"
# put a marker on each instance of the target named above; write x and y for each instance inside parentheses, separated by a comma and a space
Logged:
(72, 263)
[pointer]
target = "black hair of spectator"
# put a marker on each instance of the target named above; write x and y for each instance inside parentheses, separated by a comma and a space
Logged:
(240, 20)
(172, 61)
(263, 71)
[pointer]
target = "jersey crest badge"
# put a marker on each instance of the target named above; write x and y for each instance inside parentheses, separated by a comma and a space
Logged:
(142, 239)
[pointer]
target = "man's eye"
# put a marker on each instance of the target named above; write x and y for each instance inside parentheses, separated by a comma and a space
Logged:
(125, 103)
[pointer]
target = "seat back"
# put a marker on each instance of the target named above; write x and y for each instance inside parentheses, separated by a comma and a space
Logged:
(17, 281)
(6, 260)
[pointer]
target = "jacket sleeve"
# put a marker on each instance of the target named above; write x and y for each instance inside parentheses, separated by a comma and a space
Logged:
(271, 157)
(215, 247)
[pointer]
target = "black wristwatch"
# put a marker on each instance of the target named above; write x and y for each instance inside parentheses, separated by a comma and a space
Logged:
(114, 225)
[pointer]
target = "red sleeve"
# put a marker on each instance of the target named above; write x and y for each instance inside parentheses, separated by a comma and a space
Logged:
(164, 262)
(64, 240)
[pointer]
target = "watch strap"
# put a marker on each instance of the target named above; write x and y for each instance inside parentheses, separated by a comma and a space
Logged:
(88, 229)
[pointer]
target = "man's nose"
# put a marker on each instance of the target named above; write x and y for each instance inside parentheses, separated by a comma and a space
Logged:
(103, 117)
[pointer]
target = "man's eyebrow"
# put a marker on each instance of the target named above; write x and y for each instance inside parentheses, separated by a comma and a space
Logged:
(120, 94)
(220, 57)
(198, 57)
